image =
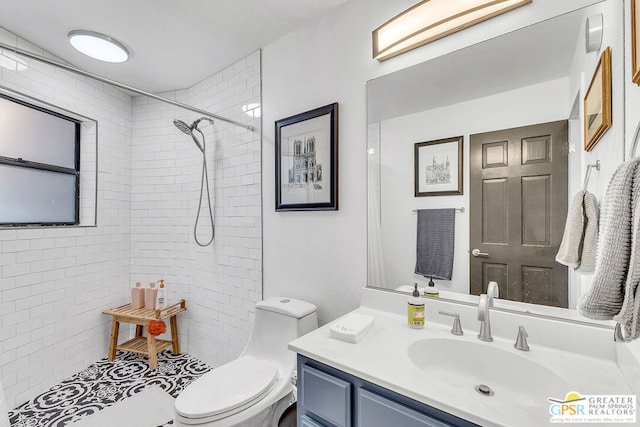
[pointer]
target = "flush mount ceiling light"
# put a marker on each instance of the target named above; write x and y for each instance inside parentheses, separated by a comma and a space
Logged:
(430, 20)
(98, 46)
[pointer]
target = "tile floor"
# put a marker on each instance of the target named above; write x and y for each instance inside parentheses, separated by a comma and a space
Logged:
(104, 383)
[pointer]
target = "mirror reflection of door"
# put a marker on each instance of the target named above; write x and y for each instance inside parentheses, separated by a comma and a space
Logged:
(518, 202)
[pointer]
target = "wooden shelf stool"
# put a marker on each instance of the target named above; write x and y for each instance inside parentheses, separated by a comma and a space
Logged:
(141, 317)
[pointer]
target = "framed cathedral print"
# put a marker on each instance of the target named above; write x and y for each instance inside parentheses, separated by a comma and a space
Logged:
(307, 160)
(438, 167)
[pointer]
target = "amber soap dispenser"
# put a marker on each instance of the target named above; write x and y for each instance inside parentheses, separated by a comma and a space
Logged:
(415, 310)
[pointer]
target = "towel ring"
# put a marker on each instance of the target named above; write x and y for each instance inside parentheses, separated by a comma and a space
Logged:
(595, 166)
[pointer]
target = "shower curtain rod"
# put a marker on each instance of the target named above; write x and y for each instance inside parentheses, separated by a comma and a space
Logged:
(121, 85)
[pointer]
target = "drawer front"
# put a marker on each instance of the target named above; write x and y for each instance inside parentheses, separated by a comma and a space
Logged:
(326, 396)
(378, 411)
(308, 422)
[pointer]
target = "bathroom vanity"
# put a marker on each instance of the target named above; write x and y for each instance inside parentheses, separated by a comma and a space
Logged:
(399, 376)
(330, 395)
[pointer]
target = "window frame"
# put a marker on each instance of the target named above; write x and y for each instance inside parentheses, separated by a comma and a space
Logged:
(20, 162)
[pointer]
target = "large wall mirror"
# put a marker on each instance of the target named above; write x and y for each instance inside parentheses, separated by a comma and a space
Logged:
(527, 86)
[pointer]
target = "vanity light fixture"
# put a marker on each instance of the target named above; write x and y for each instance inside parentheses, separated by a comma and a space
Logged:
(430, 20)
(98, 46)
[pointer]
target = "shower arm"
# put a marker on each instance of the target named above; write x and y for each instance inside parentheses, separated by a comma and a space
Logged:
(123, 86)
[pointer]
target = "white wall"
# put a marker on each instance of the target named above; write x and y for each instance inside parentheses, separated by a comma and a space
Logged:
(325, 61)
(610, 148)
(54, 282)
(539, 103)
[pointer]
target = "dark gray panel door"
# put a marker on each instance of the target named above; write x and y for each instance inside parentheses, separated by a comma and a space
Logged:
(518, 199)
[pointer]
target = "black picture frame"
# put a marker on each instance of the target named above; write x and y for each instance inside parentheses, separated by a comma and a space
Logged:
(440, 161)
(306, 146)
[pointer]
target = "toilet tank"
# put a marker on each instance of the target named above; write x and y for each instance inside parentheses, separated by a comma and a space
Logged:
(277, 322)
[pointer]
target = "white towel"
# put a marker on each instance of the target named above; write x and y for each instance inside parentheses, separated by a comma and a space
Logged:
(590, 236)
(578, 247)
(569, 251)
(629, 315)
(612, 294)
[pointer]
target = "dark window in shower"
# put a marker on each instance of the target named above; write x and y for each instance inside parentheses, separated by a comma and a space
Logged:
(39, 165)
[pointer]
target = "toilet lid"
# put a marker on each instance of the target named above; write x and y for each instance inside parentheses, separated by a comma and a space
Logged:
(226, 388)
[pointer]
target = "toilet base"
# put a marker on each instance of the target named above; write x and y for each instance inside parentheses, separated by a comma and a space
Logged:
(268, 417)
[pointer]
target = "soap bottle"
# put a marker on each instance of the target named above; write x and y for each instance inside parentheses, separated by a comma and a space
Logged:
(431, 290)
(415, 310)
(137, 296)
(150, 295)
(161, 301)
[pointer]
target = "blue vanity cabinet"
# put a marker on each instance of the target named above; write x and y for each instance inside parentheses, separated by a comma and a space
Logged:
(325, 396)
(328, 397)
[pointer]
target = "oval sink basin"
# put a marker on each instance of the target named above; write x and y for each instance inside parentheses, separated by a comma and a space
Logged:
(464, 365)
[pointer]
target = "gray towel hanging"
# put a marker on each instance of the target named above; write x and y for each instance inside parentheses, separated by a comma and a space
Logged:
(435, 243)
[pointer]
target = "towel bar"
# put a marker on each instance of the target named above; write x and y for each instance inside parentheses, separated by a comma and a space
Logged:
(457, 210)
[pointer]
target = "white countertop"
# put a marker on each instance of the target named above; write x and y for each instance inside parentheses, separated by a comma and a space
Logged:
(381, 357)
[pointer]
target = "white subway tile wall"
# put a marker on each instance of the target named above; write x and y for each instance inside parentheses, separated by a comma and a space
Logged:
(221, 282)
(54, 282)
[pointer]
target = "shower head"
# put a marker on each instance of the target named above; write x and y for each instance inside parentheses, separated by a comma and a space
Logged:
(183, 126)
(188, 129)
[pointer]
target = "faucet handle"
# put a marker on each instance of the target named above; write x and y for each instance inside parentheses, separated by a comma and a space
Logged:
(457, 326)
(521, 341)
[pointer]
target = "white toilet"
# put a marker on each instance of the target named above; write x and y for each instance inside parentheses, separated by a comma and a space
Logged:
(256, 388)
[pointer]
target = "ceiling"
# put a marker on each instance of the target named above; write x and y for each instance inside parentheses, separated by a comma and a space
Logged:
(173, 43)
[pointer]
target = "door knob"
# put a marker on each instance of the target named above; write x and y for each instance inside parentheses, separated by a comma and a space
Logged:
(477, 253)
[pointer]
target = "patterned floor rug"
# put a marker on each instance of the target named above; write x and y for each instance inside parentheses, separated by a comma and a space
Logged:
(103, 384)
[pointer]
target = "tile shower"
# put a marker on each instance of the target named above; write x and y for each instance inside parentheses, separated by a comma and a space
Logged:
(54, 282)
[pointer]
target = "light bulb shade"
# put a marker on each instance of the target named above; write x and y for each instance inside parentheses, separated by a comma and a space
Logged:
(430, 20)
(98, 46)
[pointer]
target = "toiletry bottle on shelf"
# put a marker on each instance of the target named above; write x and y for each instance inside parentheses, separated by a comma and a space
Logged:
(415, 309)
(137, 296)
(431, 290)
(150, 295)
(161, 302)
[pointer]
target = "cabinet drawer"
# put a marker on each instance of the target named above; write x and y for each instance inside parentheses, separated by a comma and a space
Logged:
(326, 396)
(378, 411)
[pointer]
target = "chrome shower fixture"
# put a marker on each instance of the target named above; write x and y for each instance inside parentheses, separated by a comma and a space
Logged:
(182, 126)
(189, 130)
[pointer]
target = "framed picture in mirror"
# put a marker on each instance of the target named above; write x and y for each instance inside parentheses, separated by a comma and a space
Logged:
(438, 167)
(597, 102)
(307, 160)
(635, 42)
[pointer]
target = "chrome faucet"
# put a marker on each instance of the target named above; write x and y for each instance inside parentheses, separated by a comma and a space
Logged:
(484, 306)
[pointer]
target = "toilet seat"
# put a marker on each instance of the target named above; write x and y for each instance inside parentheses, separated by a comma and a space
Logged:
(227, 390)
